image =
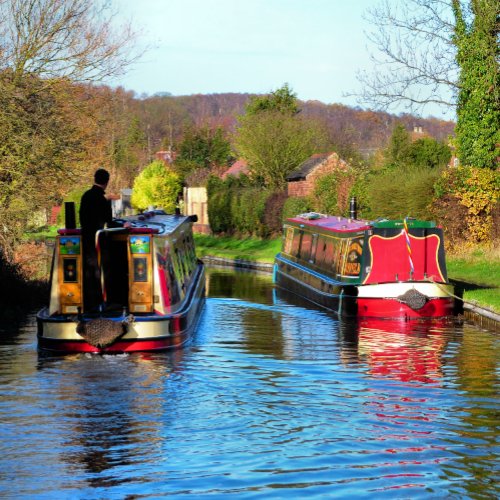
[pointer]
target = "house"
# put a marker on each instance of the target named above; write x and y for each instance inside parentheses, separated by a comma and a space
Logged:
(236, 169)
(301, 181)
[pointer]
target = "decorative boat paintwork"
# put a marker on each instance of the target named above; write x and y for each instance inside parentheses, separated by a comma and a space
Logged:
(153, 288)
(373, 269)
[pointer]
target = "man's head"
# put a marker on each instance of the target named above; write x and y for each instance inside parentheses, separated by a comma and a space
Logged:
(101, 177)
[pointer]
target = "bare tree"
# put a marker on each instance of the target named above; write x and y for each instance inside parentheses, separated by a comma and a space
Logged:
(75, 39)
(416, 60)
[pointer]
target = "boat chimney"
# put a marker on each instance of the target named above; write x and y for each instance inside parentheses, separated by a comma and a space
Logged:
(69, 215)
(353, 208)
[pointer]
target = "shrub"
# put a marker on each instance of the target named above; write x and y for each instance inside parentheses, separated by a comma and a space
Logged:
(402, 192)
(474, 193)
(156, 186)
(296, 205)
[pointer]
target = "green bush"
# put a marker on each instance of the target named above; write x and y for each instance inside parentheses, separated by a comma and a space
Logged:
(472, 193)
(75, 196)
(295, 205)
(403, 192)
(156, 186)
(235, 206)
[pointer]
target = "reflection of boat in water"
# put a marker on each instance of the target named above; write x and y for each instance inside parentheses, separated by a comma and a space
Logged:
(357, 268)
(153, 288)
(409, 351)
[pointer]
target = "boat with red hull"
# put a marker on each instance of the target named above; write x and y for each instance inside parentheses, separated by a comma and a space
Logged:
(153, 288)
(373, 269)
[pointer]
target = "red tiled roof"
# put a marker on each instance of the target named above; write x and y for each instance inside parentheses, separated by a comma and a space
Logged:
(237, 168)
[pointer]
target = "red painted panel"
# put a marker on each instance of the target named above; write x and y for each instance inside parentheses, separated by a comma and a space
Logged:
(390, 258)
(392, 308)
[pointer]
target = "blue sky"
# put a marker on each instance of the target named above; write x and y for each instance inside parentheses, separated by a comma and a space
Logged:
(214, 46)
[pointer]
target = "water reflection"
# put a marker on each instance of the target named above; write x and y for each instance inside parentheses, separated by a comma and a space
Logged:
(110, 407)
(273, 398)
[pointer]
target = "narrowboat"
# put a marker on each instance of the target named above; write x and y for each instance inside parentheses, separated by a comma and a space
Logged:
(152, 286)
(373, 269)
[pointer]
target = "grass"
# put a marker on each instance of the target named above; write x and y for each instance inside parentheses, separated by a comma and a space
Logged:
(479, 271)
(252, 249)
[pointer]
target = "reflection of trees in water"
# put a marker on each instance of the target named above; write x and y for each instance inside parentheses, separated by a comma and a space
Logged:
(476, 361)
(114, 408)
(241, 284)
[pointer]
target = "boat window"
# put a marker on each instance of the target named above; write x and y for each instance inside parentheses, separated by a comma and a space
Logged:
(328, 255)
(305, 246)
(339, 252)
(295, 244)
(287, 247)
(320, 251)
(314, 246)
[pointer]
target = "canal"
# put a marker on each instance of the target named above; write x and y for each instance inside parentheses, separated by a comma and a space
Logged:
(272, 399)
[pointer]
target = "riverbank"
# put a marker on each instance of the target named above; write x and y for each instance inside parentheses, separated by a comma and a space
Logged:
(475, 273)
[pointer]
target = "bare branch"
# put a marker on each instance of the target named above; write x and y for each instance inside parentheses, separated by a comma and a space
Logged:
(415, 64)
(75, 39)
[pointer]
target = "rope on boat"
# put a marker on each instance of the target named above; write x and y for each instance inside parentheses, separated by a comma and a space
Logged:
(470, 303)
(408, 245)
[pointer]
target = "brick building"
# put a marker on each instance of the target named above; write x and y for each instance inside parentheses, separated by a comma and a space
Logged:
(301, 181)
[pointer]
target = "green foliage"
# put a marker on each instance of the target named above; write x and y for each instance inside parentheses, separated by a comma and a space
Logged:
(295, 205)
(398, 151)
(478, 107)
(282, 100)
(156, 186)
(274, 144)
(332, 192)
(427, 152)
(473, 192)
(75, 196)
(203, 148)
(237, 206)
(389, 197)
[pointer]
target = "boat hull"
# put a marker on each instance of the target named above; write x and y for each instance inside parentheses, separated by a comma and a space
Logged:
(383, 301)
(145, 333)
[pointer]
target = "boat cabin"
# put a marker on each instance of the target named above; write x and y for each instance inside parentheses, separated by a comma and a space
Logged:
(360, 252)
(145, 269)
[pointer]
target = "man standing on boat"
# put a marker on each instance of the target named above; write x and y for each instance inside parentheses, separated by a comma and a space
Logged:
(95, 213)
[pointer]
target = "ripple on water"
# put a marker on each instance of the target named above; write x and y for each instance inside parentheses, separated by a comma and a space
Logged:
(273, 399)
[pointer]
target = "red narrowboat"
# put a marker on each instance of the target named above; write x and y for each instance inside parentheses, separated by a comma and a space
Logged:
(372, 269)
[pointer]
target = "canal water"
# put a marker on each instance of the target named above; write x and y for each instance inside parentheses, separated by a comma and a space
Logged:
(272, 399)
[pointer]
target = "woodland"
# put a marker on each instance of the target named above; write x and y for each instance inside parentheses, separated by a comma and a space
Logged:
(59, 121)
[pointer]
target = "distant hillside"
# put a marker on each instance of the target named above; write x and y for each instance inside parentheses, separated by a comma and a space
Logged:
(167, 117)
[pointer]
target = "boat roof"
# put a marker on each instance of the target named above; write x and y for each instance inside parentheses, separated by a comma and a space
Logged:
(152, 222)
(331, 223)
(339, 224)
(157, 221)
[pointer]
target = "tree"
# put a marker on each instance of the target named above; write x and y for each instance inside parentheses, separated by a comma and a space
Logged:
(74, 39)
(443, 52)
(478, 106)
(282, 100)
(156, 186)
(399, 146)
(274, 139)
(203, 148)
(427, 152)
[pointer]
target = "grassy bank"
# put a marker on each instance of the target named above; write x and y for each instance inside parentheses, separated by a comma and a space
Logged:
(252, 249)
(478, 270)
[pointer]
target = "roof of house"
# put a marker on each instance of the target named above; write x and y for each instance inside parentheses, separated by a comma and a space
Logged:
(237, 168)
(307, 167)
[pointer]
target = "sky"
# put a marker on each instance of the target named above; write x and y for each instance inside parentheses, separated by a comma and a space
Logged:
(250, 46)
